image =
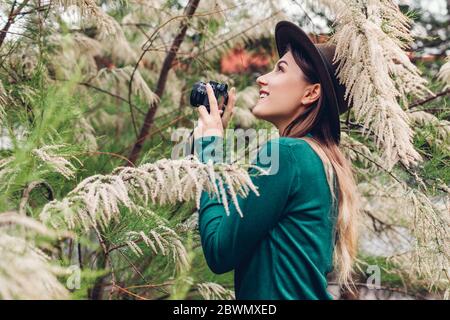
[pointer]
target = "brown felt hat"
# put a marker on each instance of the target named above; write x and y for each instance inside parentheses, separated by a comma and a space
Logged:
(321, 56)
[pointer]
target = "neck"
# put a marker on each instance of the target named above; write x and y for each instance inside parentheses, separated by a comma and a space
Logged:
(281, 126)
(281, 129)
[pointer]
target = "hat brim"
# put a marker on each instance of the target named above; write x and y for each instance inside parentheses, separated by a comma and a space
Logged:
(287, 32)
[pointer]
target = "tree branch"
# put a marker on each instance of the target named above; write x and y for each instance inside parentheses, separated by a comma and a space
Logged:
(12, 14)
(148, 121)
(421, 102)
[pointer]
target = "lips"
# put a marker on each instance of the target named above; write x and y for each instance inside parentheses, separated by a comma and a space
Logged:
(263, 94)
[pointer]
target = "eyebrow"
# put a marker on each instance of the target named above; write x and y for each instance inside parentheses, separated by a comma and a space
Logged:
(280, 62)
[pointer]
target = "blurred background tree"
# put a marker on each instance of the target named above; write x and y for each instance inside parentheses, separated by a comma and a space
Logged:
(87, 87)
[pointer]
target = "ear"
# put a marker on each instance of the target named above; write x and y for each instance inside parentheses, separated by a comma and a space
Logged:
(312, 93)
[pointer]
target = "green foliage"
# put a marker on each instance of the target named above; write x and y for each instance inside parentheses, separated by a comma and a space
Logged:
(92, 124)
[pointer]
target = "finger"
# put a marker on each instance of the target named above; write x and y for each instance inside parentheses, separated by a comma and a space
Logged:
(222, 103)
(204, 115)
(229, 109)
(214, 109)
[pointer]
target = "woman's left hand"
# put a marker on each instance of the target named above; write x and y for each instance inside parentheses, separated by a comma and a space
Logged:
(212, 124)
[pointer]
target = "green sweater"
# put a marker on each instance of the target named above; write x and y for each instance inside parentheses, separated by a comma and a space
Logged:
(282, 247)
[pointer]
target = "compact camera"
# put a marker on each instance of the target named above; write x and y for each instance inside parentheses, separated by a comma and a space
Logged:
(199, 95)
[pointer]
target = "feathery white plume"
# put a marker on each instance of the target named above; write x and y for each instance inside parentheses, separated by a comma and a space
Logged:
(89, 10)
(423, 118)
(59, 163)
(444, 73)
(442, 128)
(85, 134)
(119, 78)
(243, 117)
(25, 271)
(369, 39)
(415, 230)
(357, 151)
(214, 291)
(97, 199)
(162, 240)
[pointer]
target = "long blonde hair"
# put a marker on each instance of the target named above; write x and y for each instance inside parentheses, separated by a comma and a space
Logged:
(314, 120)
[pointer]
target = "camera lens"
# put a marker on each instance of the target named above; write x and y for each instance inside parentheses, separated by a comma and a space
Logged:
(199, 94)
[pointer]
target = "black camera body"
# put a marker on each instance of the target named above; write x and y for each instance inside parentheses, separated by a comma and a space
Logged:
(199, 95)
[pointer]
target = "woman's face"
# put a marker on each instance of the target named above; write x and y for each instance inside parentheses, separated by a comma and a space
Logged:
(288, 92)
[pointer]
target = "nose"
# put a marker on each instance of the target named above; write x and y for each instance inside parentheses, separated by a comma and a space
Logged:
(260, 80)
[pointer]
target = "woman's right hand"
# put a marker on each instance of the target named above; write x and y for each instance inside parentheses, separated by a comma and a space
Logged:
(228, 111)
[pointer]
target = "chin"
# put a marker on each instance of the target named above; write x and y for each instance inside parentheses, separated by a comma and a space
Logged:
(263, 112)
(258, 112)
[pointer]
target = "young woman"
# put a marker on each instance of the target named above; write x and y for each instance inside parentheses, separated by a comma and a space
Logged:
(303, 223)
